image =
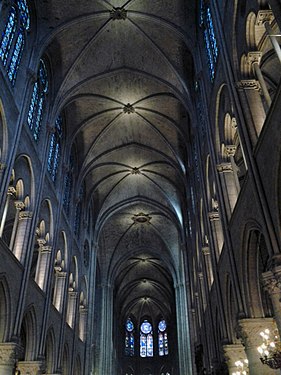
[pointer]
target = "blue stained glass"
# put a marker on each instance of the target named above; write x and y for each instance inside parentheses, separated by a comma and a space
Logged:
(129, 325)
(146, 327)
(8, 36)
(210, 42)
(33, 103)
(54, 149)
(38, 118)
(161, 344)
(43, 76)
(149, 345)
(162, 325)
(24, 14)
(143, 345)
(132, 344)
(201, 13)
(166, 351)
(16, 57)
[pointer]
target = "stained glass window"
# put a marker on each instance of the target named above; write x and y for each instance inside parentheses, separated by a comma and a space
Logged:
(36, 106)
(13, 38)
(209, 38)
(162, 338)
(8, 36)
(55, 149)
(129, 338)
(146, 339)
(16, 57)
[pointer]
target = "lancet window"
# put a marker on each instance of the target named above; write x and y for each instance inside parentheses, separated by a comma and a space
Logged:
(129, 338)
(55, 149)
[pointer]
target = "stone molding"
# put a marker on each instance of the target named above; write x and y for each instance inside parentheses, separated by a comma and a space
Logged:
(214, 216)
(224, 167)
(23, 215)
(118, 13)
(254, 58)
(233, 353)
(249, 84)
(249, 330)
(264, 16)
(272, 280)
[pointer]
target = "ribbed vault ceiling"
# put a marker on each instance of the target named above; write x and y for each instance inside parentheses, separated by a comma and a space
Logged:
(122, 73)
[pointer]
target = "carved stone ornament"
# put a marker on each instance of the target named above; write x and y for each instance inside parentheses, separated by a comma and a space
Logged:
(12, 191)
(19, 205)
(224, 167)
(9, 352)
(141, 218)
(128, 108)
(249, 84)
(230, 150)
(118, 13)
(206, 250)
(271, 282)
(23, 215)
(254, 57)
(214, 215)
(32, 367)
(249, 330)
(264, 16)
(135, 170)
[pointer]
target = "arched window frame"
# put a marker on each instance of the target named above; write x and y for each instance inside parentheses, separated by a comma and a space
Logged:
(211, 45)
(54, 154)
(129, 338)
(13, 38)
(37, 101)
(68, 184)
(162, 338)
(146, 339)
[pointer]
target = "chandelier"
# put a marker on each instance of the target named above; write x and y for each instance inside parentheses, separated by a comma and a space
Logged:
(270, 350)
(241, 367)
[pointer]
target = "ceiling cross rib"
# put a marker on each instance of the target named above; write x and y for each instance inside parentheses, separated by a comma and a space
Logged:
(128, 108)
(118, 13)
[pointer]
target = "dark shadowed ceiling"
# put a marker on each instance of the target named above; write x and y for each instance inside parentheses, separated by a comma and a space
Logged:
(123, 75)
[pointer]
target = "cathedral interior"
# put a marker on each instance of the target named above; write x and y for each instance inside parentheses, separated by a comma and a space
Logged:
(140, 180)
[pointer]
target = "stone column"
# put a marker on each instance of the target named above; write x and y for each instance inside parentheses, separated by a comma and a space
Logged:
(60, 281)
(184, 333)
(229, 187)
(214, 218)
(71, 308)
(272, 285)
(19, 205)
(250, 334)
(208, 265)
(21, 238)
(43, 266)
(252, 106)
(31, 367)
(8, 355)
(11, 193)
(106, 347)
(233, 353)
(83, 313)
(254, 59)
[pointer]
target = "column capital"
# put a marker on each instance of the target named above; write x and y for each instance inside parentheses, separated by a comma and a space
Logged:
(230, 150)
(264, 16)
(249, 84)
(272, 281)
(32, 367)
(9, 352)
(249, 330)
(254, 57)
(24, 215)
(224, 167)
(233, 353)
(46, 249)
(206, 250)
(214, 216)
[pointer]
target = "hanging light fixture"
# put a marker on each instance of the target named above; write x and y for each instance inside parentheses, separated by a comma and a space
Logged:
(270, 350)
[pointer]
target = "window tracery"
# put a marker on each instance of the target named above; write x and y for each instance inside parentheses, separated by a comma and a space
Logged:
(36, 106)
(146, 339)
(55, 149)
(129, 338)
(162, 338)
(13, 38)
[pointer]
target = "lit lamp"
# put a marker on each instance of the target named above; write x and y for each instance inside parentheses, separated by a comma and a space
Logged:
(270, 350)
(242, 367)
